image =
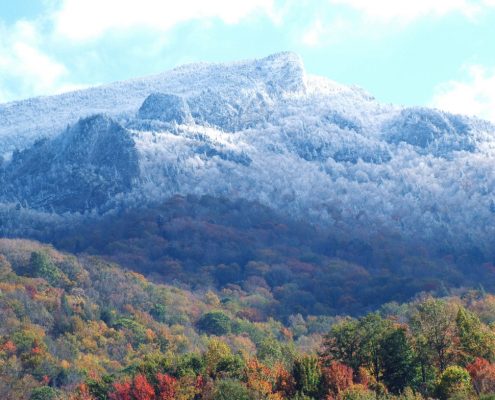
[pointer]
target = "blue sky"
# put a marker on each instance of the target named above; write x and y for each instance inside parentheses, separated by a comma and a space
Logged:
(439, 53)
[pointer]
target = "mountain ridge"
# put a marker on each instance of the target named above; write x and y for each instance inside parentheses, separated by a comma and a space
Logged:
(60, 110)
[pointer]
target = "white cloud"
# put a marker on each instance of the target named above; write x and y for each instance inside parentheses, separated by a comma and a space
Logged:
(375, 18)
(312, 37)
(89, 19)
(409, 10)
(25, 70)
(320, 33)
(476, 96)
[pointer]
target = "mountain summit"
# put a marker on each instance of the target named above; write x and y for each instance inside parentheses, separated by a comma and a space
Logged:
(270, 77)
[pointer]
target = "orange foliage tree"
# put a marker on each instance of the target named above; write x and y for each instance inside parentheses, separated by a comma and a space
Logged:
(259, 379)
(284, 381)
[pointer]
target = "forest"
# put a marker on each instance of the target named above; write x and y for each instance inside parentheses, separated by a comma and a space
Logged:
(205, 242)
(81, 327)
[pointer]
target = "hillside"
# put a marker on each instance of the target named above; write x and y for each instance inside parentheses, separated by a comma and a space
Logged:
(79, 328)
(66, 319)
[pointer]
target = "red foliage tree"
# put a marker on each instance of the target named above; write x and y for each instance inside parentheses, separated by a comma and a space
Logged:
(337, 377)
(167, 386)
(141, 388)
(482, 375)
(121, 391)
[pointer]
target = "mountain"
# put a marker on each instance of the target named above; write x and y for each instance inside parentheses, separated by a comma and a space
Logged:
(261, 130)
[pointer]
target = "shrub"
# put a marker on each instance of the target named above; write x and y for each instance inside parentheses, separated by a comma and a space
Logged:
(230, 390)
(45, 393)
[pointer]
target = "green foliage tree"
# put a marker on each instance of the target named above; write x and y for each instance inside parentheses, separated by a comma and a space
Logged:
(231, 366)
(190, 364)
(158, 312)
(215, 323)
(454, 382)
(25, 340)
(343, 342)
(434, 325)
(475, 340)
(357, 343)
(99, 388)
(372, 329)
(217, 353)
(308, 376)
(151, 365)
(42, 267)
(270, 351)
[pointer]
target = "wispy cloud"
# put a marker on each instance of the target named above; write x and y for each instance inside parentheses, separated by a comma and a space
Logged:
(322, 33)
(337, 20)
(404, 11)
(474, 96)
(89, 19)
(25, 69)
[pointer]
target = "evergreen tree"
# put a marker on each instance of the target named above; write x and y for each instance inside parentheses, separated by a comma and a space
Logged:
(41, 266)
(397, 358)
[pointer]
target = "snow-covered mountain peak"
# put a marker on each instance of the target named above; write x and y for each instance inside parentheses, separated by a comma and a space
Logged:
(265, 80)
(282, 71)
(285, 70)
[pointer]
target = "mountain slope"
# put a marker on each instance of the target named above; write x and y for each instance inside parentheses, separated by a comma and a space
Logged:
(79, 170)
